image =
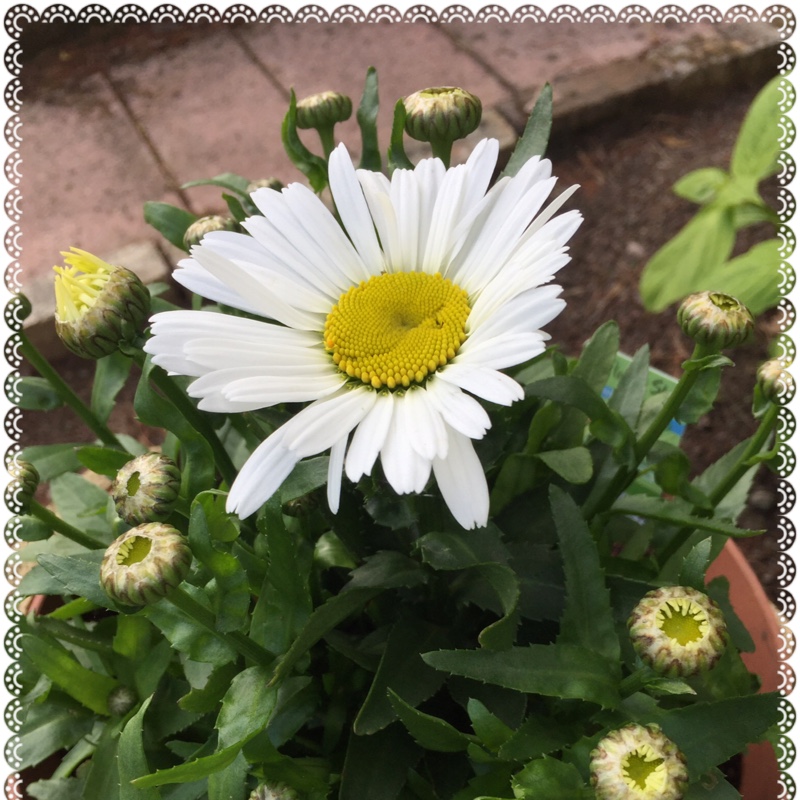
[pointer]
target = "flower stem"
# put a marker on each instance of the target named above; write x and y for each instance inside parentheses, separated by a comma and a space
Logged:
(442, 149)
(635, 682)
(238, 641)
(731, 478)
(326, 137)
(65, 392)
(64, 528)
(195, 418)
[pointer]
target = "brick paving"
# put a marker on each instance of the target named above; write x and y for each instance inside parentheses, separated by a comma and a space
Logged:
(135, 127)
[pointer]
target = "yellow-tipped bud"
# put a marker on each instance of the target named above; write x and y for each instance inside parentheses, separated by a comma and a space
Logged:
(146, 488)
(715, 320)
(776, 384)
(200, 227)
(97, 305)
(442, 114)
(323, 110)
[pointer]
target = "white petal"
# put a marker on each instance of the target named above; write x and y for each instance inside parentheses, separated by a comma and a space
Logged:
(353, 210)
(335, 473)
(369, 437)
(376, 191)
(404, 468)
(459, 410)
(405, 199)
(425, 430)
(505, 350)
(483, 382)
(462, 482)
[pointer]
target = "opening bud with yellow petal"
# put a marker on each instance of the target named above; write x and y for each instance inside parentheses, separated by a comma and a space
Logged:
(638, 762)
(145, 564)
(200, 227)
(678, 631)
(274, 791)
(97, 305)
(264, 183)
(323, 110)
(23, 486)
(146, 488)
(715, 320)
(776, 384)
(442, 114)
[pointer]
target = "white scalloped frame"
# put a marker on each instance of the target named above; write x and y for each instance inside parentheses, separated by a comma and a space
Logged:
(780, 16)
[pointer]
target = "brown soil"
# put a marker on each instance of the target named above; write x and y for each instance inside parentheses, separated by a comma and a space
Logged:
(626, 171)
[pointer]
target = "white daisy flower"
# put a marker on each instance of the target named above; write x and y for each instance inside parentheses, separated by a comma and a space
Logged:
(391, 325)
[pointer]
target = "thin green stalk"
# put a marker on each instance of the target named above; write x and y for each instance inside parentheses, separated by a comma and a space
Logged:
(328, 142)
(64, 528)
(239, 642)
(195, 418)
(731, 478)
(442, 149)
(65, 392)
(635, 682)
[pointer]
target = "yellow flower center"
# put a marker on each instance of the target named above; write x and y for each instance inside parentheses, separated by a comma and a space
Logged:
(133, 550)
(397, 329)
(683, 620)
(79, 284)
(643, 769)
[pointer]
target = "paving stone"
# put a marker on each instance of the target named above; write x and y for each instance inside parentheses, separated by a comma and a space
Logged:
(85, 173)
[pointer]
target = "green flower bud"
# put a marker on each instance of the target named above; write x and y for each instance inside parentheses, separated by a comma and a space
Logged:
(638, 763)
(323, 110)
(274, 791)
(678, 631)
(97, 305)
(23, 487)
(146, 488)
(145, 564)
(775, 382)
(715, 320)
(121, 700)
(442, 114)
(200, 227)
(264, 183)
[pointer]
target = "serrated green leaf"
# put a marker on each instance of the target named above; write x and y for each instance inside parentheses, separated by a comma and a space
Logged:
(550, 778)
(312, 166)
(490, 729)
(387, 569)
(701, 397)
(587, 620)
(206, 699)
(367, 116)
(574, 465)
(102, 460)
(538, 736)
(533, 141)
(703, 244)
(556, 670)
(89, 688)
(701, 185)
(81, 504)
(50, 728)
(110, 375)
(56, 789)
(102, 779)
(246, 707)
(52, 460)
(79, 575)
(631, 391)
(428, 731)
(170, 221)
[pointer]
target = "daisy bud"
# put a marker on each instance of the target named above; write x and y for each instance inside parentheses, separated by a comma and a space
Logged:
(638, 763)
(274, 791)
(121, 700)
(145, 564)
(264, 183)
(97, 305)
(775, 382)
(323, 110)
(200, 227)
(146, 488)
(678, 631)
(26, 480)
(715, 320)
(442, 114)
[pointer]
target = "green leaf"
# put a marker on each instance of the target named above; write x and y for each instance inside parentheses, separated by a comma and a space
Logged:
(402, 670)
(170, 221)
(229, 783)
(308, 474)
(367, 116)
(81, 504)
(56, 789)
(110, 375)
(387, 569)
(89, 688)
(102, 780)
(490, 729)
(538, 736)
(548, 778)
(324, 619)
(312, 166)
(227, 180)
(751, 277)
(79, 575)
(204, 700)
(669, 511)
(376, 766)
(235, 207)
(712, 787)
(701, 397)
(533, 141)
(36, 394)
(49, 728)
(52, 460)
(397, 154)
(700, 247)
(452, 551)
(587, 620)
(757, 147)
(231, 596)
(695, 565)
(428, 731)
(701, 185)
(630, 393)
(735, 501)
(103, 460)
(246, 707)
(555, 670)
(735, 722)
(573, 465)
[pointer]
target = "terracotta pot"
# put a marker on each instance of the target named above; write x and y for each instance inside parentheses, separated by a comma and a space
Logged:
(760, 771)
